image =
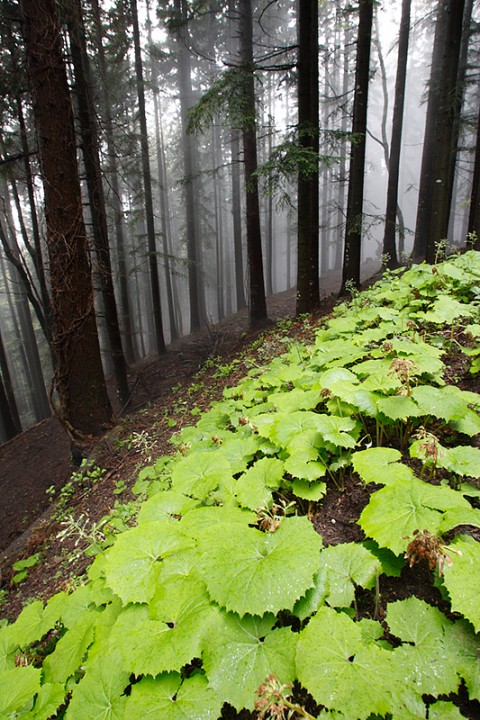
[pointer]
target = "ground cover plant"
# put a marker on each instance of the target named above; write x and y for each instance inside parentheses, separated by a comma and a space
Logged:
(227, 598)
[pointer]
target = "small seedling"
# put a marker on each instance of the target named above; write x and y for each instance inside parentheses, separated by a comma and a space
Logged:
(22, 567)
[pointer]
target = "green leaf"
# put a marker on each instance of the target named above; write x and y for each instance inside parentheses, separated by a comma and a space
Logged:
(171, 635)
(296, 399)
(427, 657)
(337, 664)
(17, 686)
(398, 407)
(462, 460)
(347, 565)
(99, 694)
(48, 700)
(396, 511)
(133, 562)
(271, 570)
(238, 451)
(314, 597)
(311, 491)
(242, 652)
(446, 309)
(439, 402)
(380, 465)
(199, 473)
(254, 488)
(332, 429)
(70, 650)
(8, 647)
(457, 578)
(218, 518)
(30, 625)
(164, 505)
(170, 697)
(442, 710)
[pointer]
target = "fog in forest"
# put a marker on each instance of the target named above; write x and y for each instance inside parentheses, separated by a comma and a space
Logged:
(161, 121)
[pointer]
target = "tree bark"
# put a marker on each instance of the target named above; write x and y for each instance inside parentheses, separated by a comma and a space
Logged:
(113, 176)
(474, 212)
(389, 244)
(147, 186)
(8, 406)
(190, 170)
(438, 158)
(93, 172)
(353, 230)
(84, 403)
(258, 305)
(308, 289)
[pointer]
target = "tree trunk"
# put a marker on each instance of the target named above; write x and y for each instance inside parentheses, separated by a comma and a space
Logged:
(438, 159)
(389, 244)
(474, 212)
(84, 403)
(162, 187)
(115, 199)
(8, 406)
(147, 186)
(308, 291)
(190, 171)
(237, 220)
(353, 230)
(91, 159)
(258, 305)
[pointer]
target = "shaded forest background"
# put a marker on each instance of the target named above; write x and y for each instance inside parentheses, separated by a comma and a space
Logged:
(164, 165)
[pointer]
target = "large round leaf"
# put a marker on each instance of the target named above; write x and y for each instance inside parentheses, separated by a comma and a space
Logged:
(170, 698)
(242, 652)
(343, 668)
(249, 571)
(396, 511)
(133, 564)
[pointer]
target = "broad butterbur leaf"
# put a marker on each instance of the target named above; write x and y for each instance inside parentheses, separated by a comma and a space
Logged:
(380, 465)
(70, 650)
(48, 700)
(337, 664)
(165, 506)
(462, 460)
(249, 571)
(196, 522)
(171, 697)
(133, 563)
(427, 656)
(254, 488)
(200, 473)
(439, 402)
(170, 635)
(347, 565)
(442, 710)
(17, 686)
(242, 652)
(457, 578)
(396, 511)
(314, 597)
(100, 693)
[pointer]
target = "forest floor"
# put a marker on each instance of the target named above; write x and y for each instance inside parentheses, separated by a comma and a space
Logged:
(41, 488)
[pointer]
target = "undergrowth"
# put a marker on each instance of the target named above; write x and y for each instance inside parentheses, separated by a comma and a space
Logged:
(223, 595)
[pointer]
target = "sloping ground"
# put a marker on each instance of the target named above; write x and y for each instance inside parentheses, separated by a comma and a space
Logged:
(39, 458)
(247, 593)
